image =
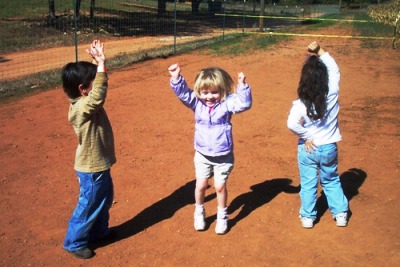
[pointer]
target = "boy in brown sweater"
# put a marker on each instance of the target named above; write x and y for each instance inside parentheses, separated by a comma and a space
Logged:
(86, 86)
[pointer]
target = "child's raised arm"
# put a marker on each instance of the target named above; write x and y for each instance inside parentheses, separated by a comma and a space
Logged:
(174, 71)
(96, 51)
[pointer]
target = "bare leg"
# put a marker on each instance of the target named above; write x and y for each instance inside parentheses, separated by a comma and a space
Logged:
(222, 194)
(199, 212)
(200, 191)
(222, 216)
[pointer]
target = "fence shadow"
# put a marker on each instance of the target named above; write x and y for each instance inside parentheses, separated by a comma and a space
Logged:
(259, 195)
(351, 181)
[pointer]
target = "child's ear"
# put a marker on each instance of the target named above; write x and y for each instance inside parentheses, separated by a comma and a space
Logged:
(82, 89)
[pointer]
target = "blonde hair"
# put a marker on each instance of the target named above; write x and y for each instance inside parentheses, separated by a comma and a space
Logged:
(214, 77)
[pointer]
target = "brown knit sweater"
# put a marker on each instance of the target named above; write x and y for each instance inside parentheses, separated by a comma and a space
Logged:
(95, 150)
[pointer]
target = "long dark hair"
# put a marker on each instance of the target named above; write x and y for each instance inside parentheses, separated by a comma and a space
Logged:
(313, 87)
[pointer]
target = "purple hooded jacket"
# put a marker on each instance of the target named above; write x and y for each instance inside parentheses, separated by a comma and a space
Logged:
(213, 130)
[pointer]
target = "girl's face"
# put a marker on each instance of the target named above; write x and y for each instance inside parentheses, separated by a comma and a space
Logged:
(210, 96)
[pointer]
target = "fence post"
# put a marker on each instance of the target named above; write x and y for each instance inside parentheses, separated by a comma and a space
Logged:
(76, 31)
(244, 15)
(261, 19)
(395, 32)
(175, 27)
(223, 22)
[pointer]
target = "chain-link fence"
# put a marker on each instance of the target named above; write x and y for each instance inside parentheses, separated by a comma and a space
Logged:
(40, 36)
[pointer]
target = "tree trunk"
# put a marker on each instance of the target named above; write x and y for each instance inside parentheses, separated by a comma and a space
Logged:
(162, 7)
(52, 9)
(262, 12)
(195, 6)
(92, 7)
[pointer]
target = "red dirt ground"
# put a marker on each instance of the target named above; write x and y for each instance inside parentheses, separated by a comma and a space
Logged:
(154, 174)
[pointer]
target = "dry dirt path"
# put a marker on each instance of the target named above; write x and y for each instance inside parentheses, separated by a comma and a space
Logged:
(16, 65)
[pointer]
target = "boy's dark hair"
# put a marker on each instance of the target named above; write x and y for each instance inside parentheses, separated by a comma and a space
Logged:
(75, 73)
(313, 87)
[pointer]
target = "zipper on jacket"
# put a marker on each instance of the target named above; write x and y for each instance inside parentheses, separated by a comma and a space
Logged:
(209, 115)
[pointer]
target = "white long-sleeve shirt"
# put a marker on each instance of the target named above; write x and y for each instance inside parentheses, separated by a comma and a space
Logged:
(325, 130)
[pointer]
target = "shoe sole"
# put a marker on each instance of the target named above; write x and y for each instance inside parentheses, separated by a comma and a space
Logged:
(200, 229)
(222, 233)
(82, 255)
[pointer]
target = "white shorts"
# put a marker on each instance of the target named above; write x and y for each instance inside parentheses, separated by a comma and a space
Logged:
(220, 167)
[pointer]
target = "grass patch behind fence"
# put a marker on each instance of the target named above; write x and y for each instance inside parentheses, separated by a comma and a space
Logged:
(371, 28)
(244, 44)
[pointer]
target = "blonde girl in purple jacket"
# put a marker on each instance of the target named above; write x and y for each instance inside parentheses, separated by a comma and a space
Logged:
(213, 101)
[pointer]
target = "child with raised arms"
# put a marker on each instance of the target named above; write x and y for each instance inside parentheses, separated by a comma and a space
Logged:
(213, 101)
(86, 85)
(314, 119)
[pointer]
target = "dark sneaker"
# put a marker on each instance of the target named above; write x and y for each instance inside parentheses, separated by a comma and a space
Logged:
(83, 253)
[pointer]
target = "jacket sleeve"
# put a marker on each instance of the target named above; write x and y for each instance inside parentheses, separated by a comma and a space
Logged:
(184, 93)
(241, 100)
(333, 72)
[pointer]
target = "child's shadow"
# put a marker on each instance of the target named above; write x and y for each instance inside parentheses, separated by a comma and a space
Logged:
(159, 211)
(261, 194)
(351, 181)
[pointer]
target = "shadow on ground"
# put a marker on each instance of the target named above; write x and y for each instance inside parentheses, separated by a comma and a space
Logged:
(351, 181)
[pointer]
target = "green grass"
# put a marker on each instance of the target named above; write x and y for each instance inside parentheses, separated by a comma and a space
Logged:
(240, 44)
(10, 90)
(371, 28)
(23, 9)
(361, 23)
(31, 9)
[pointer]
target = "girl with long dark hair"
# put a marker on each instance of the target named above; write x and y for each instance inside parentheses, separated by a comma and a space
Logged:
(314, 118)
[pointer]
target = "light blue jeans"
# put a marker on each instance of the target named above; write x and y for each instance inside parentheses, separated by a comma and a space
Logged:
(325, 160)
(89, 220)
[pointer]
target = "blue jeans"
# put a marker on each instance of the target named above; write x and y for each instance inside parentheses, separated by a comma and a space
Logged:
(89, 220)
(325, 160)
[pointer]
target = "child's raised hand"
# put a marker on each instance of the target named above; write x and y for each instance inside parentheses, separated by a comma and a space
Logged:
(313, 47)
(96, 51)
(241, 78)
(174, 71)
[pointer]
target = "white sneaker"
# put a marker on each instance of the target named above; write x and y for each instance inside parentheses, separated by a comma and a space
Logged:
(341, 219)
(222, 226)
(307, 222)
(199, 221)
